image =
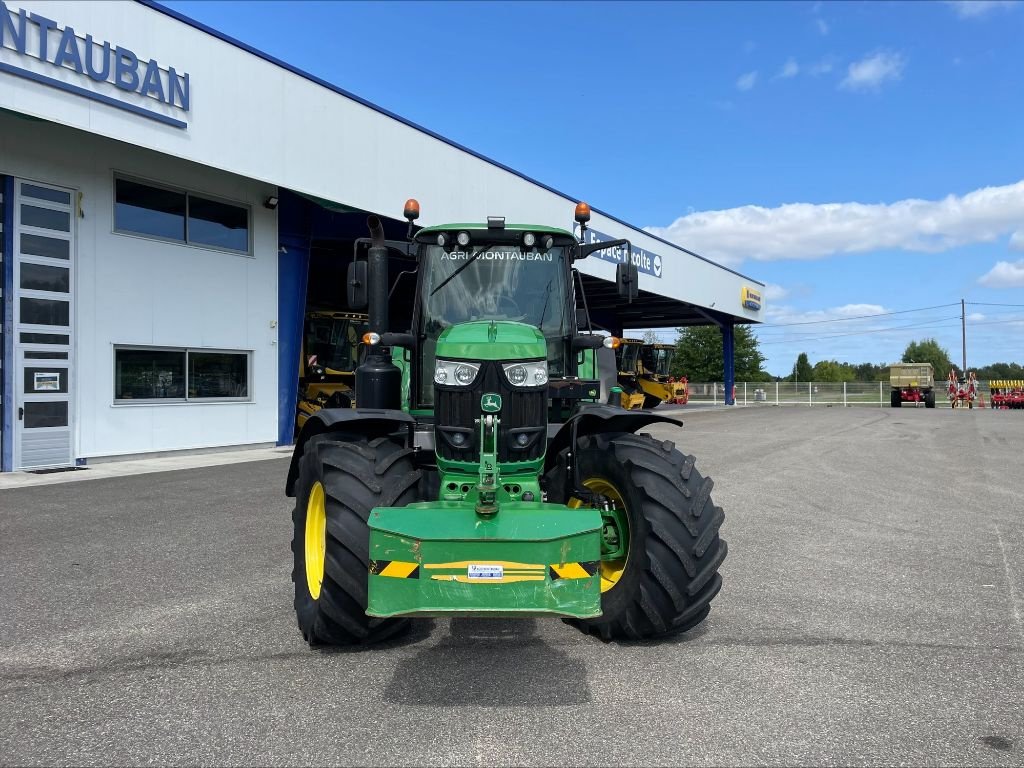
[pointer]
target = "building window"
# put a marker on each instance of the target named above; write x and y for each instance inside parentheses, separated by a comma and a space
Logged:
(217, 224)
(179, 216)
(181, 375)
(151, 211)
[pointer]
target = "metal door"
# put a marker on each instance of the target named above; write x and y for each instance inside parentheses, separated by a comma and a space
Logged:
(44, 279)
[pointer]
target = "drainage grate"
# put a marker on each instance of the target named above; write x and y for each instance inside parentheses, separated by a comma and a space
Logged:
(51, 470)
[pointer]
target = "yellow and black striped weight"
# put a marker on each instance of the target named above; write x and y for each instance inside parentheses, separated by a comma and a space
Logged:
(582, 570)
(395, 569)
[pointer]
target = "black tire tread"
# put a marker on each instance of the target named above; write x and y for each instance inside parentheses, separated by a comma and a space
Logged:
(357, 474)
(678, 551)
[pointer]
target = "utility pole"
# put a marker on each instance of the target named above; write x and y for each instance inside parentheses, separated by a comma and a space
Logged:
(963, 336)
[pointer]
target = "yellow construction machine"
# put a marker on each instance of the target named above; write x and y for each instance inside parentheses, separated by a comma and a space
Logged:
(330, 355)
(654, 379)
(628, 358)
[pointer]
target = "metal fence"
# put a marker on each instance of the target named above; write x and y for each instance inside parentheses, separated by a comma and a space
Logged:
(844, 393)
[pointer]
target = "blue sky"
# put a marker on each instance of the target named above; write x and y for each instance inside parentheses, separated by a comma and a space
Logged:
(859, 158)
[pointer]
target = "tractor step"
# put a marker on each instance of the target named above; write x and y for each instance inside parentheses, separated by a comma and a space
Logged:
(444, 559)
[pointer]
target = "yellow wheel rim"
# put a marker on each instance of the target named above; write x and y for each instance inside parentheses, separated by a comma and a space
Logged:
(611, 570)
(316, 539)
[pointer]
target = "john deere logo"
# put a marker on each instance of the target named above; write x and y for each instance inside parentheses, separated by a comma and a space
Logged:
(490, 403)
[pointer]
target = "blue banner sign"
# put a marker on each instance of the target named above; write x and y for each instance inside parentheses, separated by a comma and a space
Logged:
(646, 261)
(36, 37)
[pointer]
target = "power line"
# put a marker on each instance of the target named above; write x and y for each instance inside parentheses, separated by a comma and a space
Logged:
(929, 324)
(858, 317)
(788, 333)
(988, 304)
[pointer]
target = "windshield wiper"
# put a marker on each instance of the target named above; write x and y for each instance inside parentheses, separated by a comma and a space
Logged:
(544, 310)
(458, 271)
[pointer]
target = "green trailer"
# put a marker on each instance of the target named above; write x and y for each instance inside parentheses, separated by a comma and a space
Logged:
(489, 469)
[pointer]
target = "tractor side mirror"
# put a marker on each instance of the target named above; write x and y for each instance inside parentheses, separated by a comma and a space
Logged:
(582, 319)
(356, 283)
(627, 279)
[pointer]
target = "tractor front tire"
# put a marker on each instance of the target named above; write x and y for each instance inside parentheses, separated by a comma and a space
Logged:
(671, 569)
(929, 399)
(650, 401)
(341, 479)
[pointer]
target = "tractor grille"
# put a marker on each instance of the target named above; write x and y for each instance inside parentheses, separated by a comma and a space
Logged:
(523, 411)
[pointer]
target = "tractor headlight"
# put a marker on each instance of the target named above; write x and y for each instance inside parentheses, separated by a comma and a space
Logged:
(532, 374)
(455, 374)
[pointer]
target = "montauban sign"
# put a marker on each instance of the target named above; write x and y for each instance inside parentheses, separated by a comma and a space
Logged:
(101, 71)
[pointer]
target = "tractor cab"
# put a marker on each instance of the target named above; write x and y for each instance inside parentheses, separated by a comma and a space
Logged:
(656, 360)
(628, 364)
(328, 360)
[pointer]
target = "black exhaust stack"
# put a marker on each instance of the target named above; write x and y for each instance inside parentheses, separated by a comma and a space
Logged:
(378, 380)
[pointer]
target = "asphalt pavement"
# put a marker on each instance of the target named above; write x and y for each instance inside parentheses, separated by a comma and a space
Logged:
(872, 613)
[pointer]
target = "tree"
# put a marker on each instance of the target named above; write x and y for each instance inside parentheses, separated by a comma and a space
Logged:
(832, 370)
(699, 354)
(929, 351)
(802, 370)
(650, 336)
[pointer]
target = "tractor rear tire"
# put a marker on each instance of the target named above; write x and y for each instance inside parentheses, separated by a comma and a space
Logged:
(341, 479)
(671, 570)
(650, 401)
(895, 399)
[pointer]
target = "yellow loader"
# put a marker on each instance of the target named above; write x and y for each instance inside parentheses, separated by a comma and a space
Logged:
(330, 354)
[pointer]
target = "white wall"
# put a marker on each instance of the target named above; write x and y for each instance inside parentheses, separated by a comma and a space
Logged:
(254, 118)
(132, 290)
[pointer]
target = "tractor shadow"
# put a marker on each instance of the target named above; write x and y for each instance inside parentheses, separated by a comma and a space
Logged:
(490, 663)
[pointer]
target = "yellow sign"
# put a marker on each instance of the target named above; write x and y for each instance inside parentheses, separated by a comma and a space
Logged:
(750, 299)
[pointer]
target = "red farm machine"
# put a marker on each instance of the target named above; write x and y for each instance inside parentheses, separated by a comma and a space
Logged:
(1007, 394)
(962, 392)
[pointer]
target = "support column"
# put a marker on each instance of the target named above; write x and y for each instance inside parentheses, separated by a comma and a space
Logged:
(292, 277)
(728, 349)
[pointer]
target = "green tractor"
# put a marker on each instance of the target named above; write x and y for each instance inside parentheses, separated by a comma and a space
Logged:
(488, 469)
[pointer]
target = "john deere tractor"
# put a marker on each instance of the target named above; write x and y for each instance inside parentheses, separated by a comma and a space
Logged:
(330, 354)
(483, 473)
(654, 379)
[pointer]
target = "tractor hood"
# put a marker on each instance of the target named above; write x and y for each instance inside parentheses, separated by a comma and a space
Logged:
(492, 340)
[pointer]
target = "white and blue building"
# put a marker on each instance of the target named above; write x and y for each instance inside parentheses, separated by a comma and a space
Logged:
(166, 192)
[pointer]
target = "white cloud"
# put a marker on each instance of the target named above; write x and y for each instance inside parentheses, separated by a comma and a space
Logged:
(870, 72)
(967, 9)
(1017, 240)
(823, 67)
(812, 231)
(747, 81)
(975, 317)
(1004, 275)
(773, 292)
(789, 69)
(822, 26)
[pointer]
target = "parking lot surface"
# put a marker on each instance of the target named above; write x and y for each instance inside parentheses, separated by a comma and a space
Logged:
(871, 614)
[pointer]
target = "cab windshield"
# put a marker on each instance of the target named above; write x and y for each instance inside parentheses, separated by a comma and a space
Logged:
(492, 282)
(628, 358)
(657, 361)
(333, 342)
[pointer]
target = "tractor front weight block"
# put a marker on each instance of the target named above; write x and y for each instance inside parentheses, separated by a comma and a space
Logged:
(444, 559)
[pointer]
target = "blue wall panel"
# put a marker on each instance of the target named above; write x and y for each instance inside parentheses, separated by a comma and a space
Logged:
(292, 275)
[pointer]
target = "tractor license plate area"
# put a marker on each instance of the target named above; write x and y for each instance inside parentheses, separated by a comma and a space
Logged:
(442, 559)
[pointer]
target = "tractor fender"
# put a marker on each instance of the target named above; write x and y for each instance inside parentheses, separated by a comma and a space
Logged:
(371, 422)
(593, 418)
